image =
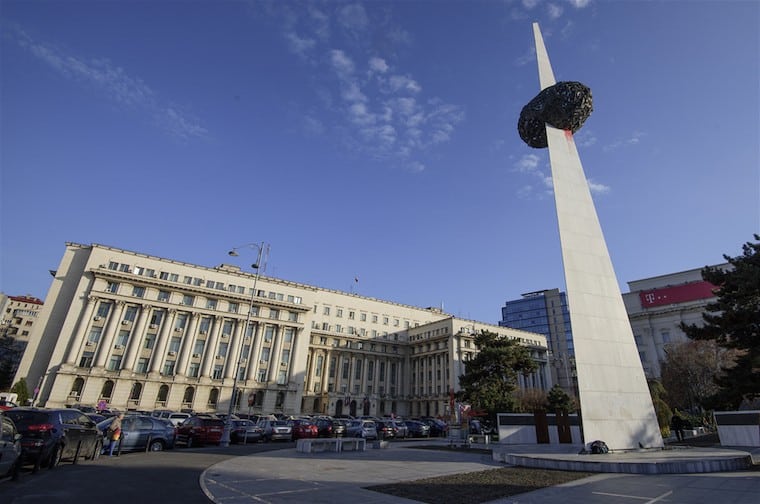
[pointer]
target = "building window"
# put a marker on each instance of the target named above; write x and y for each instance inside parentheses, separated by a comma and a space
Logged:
(346, 365)
(333, 364)
(138, 291)
(370, 370)
(103, 309)
(222, 350)
(326, 310)
(193, 369)
(174, 344)
(288, 335)
(113, 266)
(163, 296)
(265, 354)
(94, 335)
(227, 328)
(168, 368)
(142, 365)
(134, 395)
(351, 315)
(268, 333)
(281, 378)
(122, 338)
(187, 300)
(319, 364)
(199, 346)
(285, 358)
(339, 312)
(164, 275)
(205, 325)
(292, 316)
(233, 307)
(150, 340)
(217, 372)
(130, 313)
(211, 304)
(274, 314)
(156, 317)
(262, 376)
(385, 320)
(86, 360)
(114, 363)
(358, 370)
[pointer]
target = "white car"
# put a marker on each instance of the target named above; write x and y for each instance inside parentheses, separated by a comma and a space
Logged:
(177, 418)
(366, 429)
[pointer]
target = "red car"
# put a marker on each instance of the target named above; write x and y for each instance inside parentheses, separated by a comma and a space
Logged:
(304, 429)
(200, 430)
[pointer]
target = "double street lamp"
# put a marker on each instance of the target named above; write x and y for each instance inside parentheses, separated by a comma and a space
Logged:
(262, 253)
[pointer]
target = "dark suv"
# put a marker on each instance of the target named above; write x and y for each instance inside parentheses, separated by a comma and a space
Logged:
(50, 435)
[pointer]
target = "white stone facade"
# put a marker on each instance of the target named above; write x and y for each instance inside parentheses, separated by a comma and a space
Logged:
(658, 305)
(143, 332)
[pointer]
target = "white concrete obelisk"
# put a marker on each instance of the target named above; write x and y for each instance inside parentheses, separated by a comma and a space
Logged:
(614, 397)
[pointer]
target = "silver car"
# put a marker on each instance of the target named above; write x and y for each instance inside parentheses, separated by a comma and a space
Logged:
(276, 430)
(366, 429)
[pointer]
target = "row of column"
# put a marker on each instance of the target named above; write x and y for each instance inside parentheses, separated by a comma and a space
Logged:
(351, 381)
(254, 339)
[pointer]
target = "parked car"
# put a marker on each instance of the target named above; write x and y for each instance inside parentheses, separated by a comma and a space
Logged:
(416, 428)
(10, 447)
(330, 427)
(438, 428)
(303, 428)
(245, 431)
(385, 429)
(200, 430)
(402, 431)
(276, 430)
(96, 417)
(141, 433)
(361, 428)
(51, 435)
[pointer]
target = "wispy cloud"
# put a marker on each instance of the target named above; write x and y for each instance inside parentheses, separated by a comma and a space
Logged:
(379, 109)
(632, 140)
(115, 83)
(537, 166)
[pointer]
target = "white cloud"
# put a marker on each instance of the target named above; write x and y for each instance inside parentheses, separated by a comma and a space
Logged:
(527, 163)
(597, 188)
(299, 45)
(634, 139)
(116, 84)
(579, 4)
(342, 64)
(351, 92)
(416, 167)
(401, 82)
(530, 4)
(378, 65)
(554, 10)
(353, 17)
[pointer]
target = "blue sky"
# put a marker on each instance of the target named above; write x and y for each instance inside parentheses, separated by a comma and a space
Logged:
(375, 140)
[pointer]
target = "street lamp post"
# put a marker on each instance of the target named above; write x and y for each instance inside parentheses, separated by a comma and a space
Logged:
(261, 251)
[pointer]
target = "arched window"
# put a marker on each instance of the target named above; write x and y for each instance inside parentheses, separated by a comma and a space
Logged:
(258, 399)
(136, 392)
(280, 400)
(189, 395)
(315, 406)
(76, 388)
(236, 399)
(382, 408)
(339, 407)
(107, 390)
(213, 397)
(163, 393)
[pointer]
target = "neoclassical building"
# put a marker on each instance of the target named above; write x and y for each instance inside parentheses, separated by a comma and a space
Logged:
(143, 332)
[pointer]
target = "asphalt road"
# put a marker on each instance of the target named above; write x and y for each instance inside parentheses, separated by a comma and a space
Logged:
(133, 478)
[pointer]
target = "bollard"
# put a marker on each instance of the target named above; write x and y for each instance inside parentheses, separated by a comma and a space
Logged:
(76, 454)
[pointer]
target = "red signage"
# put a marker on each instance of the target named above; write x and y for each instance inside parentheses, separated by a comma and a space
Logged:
(677, 294)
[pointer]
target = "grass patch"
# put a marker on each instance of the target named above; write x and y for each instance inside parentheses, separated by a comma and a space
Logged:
(478, 487)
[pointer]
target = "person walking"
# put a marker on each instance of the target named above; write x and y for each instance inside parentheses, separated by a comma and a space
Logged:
(676, 423)
(114, 433)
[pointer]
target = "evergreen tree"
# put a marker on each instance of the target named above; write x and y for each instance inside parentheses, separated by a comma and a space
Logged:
(733, 321)
(490, 378)
(559, 400)
(21, 390)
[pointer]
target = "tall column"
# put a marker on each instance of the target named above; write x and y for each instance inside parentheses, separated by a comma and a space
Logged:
(159, 350)
(615, 401)
(209, 354)
(106, 341)
(80, 338)
(188, 340)
(135, 338)
(233, 351)
(274, 356)
(255, 355)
